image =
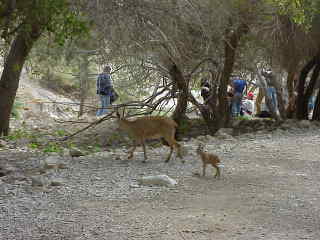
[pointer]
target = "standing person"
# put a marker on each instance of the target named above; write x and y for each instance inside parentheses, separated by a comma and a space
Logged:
(104, 90)
(239, 86)
(271, 90)
(205, 90)
(229, 98)
(311, 104)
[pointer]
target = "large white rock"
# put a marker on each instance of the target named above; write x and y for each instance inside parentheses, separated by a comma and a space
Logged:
(162, 180)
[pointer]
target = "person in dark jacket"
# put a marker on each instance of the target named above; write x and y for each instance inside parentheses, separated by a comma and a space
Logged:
(104, 90)
(205, 90)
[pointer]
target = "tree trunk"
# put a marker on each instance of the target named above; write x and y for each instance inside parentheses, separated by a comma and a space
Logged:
(259, 101)
(230, 48)
(9, 81)
(311, 86)
(303, 97)
(180, 111)
(291, 83)
(84, 70)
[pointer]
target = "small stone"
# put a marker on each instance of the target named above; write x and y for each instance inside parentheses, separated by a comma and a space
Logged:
(52, 162)
(75, 152)
(56, 182)
(37, 181)
(3, 143)
(304, 124)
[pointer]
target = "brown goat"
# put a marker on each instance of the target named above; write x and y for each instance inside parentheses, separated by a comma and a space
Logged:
(150, 127)
(208, 158)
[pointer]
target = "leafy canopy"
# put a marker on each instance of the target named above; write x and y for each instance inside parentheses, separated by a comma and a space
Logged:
(59, 17)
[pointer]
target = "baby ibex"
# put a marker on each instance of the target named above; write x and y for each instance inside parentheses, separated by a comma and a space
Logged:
(208, 158)
(150, 127)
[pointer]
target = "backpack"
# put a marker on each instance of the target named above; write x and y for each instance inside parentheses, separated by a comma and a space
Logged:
(114, 96)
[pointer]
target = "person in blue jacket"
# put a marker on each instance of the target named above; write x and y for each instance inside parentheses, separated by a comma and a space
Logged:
(239, 85)
(104, 90)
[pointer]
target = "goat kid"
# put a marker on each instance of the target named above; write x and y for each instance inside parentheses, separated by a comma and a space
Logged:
(150, 127)
(208, 158)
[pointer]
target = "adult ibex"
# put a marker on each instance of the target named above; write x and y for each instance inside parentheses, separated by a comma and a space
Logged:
(150, 127)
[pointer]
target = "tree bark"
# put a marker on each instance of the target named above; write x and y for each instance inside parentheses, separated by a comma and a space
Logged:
(259, 101)
(303, 97)
(9, 81)
(291, 85)
(83, 75)
(180, 111)
(231, 44)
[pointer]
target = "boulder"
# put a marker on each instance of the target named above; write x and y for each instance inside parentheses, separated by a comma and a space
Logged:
(53, 162)
(75, 152)
(160, 180)
(304, 124)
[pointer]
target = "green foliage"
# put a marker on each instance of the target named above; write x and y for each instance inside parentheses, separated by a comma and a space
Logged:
(17, 134)
(58, 82)
(61, 133)
(243, 118)
(55, 16)
(96, 148)
(34, 145)
(52, 147)
(17, 105)
(302, 12)
(184, 126)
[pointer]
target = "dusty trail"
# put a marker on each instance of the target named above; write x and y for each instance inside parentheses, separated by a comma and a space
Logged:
(269, 190)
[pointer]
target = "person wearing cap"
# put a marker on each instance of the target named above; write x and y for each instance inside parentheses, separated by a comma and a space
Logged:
(271, 90)
(205, 90)
(239, 85)
(104, 90)
(248, 104)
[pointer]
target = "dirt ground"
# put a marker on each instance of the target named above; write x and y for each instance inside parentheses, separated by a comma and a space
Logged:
(269, 189)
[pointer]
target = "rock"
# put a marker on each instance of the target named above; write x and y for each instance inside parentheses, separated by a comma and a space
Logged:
(285, 126)
(223, 133)
(56, 182)
(66, 152)
(304, 124)
(161, 180)
(53, 162)
(184, 151)
(3, 143)
(236, 123)
(75, 152)
(228, 131)
(22, 142)
(202, 138)
(7, 169)
(37, 181)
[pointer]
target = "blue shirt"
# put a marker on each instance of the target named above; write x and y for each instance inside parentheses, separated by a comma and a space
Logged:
(104, 83)
(239, 85)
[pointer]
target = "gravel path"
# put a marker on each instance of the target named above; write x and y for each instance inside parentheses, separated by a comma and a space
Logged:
(269, 190)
